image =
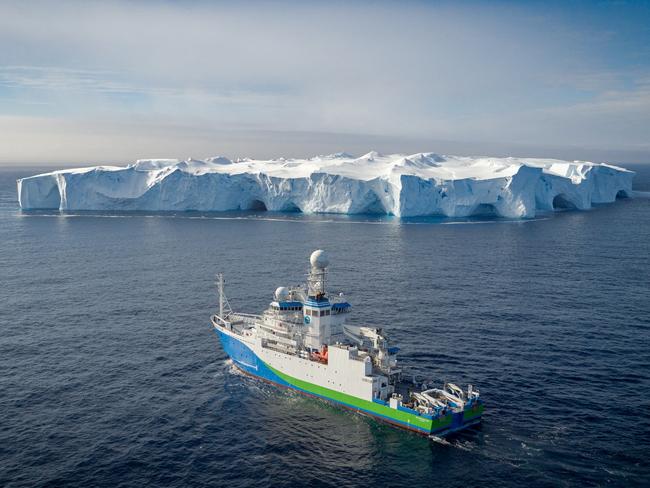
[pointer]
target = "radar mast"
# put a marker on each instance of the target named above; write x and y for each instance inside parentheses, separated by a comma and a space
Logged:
(317, 274)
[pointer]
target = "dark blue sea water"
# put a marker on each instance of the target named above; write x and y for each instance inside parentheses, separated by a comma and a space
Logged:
(110, 374)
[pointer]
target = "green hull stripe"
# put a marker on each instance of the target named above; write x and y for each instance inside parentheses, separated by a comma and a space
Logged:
(475, 411)
(417, 422)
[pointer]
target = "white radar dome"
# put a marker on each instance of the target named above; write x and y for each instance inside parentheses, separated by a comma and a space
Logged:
(282, 293)
(319, 259)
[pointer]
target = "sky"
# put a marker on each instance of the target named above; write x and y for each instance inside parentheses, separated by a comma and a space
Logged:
(116, 80)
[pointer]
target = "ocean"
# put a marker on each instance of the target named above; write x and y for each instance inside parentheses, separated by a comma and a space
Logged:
(111, 375)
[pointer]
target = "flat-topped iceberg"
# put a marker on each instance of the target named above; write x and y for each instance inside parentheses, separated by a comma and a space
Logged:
(402, 185)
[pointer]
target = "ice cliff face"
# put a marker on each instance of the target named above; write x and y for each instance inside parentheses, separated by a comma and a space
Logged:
(407, 186)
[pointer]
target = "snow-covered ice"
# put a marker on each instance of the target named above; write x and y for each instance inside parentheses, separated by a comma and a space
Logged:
(402, 185)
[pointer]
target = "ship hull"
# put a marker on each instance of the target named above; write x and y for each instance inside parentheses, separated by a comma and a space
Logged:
(245, 358)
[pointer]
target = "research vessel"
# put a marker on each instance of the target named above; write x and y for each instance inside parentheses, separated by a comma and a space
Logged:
(304, 342)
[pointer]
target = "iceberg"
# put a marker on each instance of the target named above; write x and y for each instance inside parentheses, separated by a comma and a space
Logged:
(423, 184)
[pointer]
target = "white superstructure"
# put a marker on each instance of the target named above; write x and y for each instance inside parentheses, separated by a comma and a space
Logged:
(304, 334)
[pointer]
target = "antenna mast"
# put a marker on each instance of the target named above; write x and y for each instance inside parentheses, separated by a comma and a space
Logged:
(223, 301)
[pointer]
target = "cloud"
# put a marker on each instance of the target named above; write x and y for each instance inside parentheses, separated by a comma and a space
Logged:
(76, 141)
(414, 71)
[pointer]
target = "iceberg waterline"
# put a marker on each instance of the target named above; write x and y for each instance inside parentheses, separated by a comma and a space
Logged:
(421, 184)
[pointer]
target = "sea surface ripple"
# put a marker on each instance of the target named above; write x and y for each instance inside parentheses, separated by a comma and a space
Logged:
(112, 376)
